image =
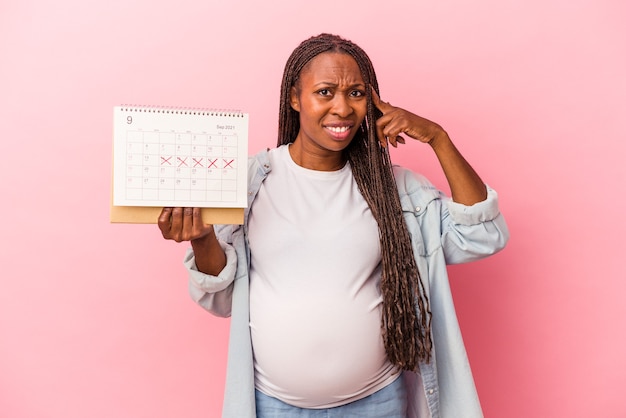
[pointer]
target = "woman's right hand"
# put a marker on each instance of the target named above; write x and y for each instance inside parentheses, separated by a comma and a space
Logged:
(183, 224)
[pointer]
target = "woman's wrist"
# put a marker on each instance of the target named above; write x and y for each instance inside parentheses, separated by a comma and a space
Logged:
(209, 255)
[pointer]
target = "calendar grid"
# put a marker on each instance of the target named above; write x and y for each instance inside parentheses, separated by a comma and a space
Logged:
(165, 166)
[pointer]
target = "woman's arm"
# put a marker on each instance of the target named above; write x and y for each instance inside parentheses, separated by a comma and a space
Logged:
(465, 185)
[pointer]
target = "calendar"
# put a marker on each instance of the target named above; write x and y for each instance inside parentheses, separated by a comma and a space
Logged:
(166, 157)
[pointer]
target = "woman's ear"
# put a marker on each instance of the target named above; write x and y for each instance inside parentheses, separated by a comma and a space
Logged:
(294, 100)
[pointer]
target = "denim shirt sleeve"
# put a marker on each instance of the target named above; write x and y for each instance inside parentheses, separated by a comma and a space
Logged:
(473, 232)
(464, 233)
(213, 293)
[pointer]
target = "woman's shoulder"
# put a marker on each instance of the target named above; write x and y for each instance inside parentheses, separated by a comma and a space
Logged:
(260, 159)
(409, 182)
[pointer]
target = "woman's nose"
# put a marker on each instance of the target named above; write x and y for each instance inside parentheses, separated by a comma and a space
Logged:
(341, 106)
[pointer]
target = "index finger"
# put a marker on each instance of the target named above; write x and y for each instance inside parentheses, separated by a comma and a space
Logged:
(382, 106)
(379, 127)
(164, 219)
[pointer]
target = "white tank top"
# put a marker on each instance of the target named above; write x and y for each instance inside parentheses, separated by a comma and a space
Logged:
(315, 303)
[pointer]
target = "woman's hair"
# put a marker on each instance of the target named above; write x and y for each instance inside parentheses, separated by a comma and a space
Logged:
(406, 333)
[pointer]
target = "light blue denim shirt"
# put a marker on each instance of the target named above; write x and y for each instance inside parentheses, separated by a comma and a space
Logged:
(442, 232)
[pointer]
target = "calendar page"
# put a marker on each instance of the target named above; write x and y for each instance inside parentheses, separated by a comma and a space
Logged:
(178, 157)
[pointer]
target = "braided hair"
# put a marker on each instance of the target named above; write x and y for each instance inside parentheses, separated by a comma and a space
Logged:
(405, 321)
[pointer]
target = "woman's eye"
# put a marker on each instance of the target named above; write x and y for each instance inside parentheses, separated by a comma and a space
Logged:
(357, 93)
(324, 92)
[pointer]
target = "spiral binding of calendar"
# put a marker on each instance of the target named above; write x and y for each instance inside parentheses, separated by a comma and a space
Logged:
(235, 113)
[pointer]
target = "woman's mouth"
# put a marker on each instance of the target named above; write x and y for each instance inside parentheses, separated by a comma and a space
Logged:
(339, 132)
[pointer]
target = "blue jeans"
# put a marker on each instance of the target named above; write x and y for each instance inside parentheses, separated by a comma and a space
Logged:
(388, 402)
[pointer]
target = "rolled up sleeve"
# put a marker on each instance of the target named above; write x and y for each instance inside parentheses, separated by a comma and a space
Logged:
(473, 232)
(213, 293)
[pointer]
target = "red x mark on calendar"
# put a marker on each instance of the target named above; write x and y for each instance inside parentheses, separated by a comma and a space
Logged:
(182, 161)
(227, 164)
(166, 160)
(197, 162)
(212, 163)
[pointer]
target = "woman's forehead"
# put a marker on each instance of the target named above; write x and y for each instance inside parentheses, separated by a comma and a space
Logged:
(333, 65)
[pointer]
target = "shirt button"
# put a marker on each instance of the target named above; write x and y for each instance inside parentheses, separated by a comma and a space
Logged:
(417, 208)
(431, 391)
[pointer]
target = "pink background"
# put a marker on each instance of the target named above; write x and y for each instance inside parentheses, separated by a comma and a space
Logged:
(95, 320)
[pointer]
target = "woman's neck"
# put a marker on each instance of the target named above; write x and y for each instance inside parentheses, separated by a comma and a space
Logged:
(320, 160)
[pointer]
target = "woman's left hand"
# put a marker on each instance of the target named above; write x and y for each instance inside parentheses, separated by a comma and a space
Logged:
(396, 121)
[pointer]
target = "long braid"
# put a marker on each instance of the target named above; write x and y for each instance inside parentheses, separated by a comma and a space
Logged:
(406, 333)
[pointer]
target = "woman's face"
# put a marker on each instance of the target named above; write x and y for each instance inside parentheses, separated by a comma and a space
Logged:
(330, 97)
